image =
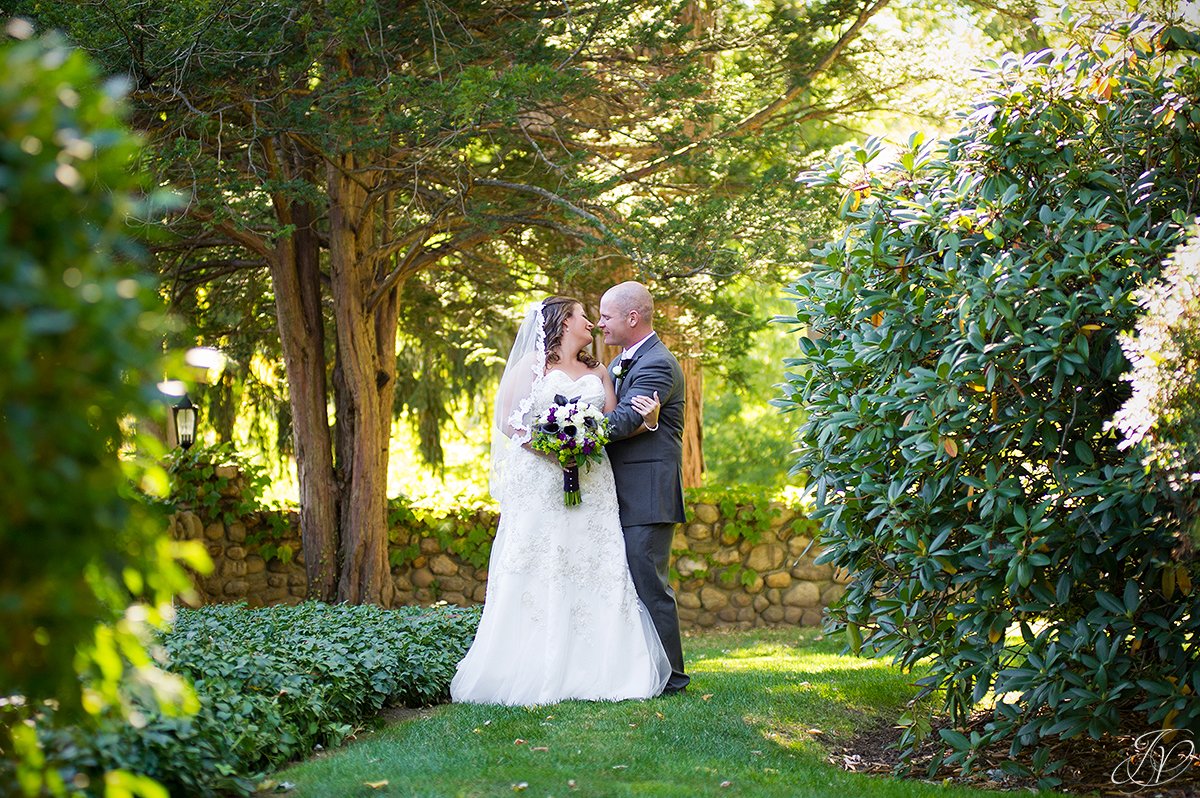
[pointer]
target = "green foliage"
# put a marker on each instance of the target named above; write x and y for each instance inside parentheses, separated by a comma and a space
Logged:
(220, 484)
(401, 519)
(453, 333)
(747, 519)
(272, 684)
(960, 368)
(466, 531)
(747, 510)
(201, 477)
(79, 348)
(469, 535)
(746, 440)
(1163, 415)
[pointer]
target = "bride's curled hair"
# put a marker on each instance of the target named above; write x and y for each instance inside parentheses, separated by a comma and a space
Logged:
(555, 311)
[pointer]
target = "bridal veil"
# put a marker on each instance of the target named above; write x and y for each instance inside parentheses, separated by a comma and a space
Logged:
(512, 424)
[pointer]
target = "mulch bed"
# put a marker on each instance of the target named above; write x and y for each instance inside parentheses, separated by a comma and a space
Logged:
(1089, 769)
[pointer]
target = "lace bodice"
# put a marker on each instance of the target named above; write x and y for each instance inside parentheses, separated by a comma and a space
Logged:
(510, 459)
(535, 480)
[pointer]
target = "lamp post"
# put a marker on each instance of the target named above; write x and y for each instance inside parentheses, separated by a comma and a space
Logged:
(184, 416)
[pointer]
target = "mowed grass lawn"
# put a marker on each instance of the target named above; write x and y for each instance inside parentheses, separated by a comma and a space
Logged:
(763, 708)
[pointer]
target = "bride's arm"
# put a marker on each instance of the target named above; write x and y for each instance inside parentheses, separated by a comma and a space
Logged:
(654, 378)
(647, 407)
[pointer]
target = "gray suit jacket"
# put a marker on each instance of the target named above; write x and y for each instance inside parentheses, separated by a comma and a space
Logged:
(649, 467)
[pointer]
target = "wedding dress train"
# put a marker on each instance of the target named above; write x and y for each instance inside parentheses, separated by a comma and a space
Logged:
(561, 619)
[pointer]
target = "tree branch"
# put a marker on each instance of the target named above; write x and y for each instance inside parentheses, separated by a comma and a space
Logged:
(548, 195)
(251, 241)
(462, 243)
(533, 221)
(415, 241)
(757, 119)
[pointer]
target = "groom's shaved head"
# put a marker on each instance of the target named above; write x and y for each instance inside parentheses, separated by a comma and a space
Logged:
(626, 314)
(632, 295)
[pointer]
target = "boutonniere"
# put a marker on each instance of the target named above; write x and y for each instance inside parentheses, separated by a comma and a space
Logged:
(622, 367)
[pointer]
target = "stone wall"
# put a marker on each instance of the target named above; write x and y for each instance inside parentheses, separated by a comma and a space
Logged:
(240, 572)
(726, 578)
(726, 572)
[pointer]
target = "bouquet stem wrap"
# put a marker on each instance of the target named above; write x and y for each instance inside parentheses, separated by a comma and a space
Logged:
(571, 493)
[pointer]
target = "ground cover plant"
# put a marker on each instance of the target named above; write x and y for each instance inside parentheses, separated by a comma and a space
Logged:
(960, 369)
(764, 709)
(272, 684)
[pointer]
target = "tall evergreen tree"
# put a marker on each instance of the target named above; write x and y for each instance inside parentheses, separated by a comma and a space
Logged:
(369, 154)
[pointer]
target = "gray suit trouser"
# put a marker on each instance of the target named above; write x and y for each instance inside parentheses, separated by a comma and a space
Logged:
(648, 550)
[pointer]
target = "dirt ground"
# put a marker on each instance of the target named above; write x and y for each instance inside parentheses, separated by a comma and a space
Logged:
(1089, 770)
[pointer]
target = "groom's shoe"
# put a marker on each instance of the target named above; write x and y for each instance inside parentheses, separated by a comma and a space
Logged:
(673, 691)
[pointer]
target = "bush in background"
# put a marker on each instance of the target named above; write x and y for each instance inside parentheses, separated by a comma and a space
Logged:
(1163, 415)
(960, 372)
(80, 337)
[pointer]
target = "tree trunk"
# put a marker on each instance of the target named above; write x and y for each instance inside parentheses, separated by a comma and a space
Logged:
(222, 406)
(700, 16)
(296, 277)
(366, 357)
(693, 410)
(693, 423)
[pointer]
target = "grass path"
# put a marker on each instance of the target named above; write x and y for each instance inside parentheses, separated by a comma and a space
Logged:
(747, 726)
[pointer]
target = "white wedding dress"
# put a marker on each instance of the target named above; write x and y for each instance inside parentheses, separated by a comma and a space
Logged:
(561, 619)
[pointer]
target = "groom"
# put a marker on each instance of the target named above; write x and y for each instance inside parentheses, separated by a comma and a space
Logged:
(647, 464)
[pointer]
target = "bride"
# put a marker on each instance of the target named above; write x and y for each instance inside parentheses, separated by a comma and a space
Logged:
(561, 619)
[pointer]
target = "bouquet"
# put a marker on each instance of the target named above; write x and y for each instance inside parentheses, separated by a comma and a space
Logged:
(573, 432)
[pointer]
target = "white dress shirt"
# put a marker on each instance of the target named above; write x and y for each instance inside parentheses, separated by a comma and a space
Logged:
(628, 353)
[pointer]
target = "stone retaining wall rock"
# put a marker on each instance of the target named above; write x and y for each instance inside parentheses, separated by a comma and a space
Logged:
(720, 577)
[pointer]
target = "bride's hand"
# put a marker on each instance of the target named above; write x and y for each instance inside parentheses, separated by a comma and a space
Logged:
(647, 408)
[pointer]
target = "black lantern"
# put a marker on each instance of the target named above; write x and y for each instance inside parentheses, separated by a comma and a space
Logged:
(184, 416)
